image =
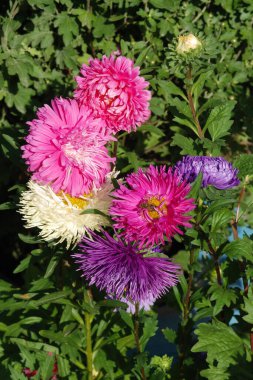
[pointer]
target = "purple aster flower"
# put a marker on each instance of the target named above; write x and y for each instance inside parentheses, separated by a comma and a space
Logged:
(123, 271)
(217, 171)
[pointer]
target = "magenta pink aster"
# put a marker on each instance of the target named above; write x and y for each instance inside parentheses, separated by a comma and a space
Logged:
(66, 148)
(114, 90)
(151, 206)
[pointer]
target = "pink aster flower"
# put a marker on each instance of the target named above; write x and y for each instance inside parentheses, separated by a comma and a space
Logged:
(152, 205)
(114, 90)
(66, 148)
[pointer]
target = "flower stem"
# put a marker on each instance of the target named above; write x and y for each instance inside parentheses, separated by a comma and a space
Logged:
(88, 320)
(189, 288)
(216, 262)
(136, 336)
(191, 103)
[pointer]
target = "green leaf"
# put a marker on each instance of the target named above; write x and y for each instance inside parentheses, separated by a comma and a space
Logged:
(218, 122)
(220, 342)
(197, 87)
(169, 88)
(152, 129)
(63, 366)
(222, 297)
(169, 334)
(217, 205)
(94, 212)
(77, 316)
(162, 4)
(112, 303)
(142, 56)
(149, 329)
(215, 373)
(221, 218)
(127, 318)
(29, 239)
(156, 106)
(23, 265)
(50, 298)
(196, 186)
(47, 365)
(67, 27)
(248, 306)
(35, 345)
(7, 206)
(52, 265)
(239, 249)
(178, 297)
(245, 164)
(186, 143)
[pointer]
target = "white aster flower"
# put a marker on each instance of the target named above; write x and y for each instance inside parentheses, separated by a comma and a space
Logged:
(188, 43)
(59, 216)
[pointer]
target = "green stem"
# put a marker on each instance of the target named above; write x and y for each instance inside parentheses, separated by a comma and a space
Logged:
(189, 288)
(136, 336)
(215, 260)
(88, 320)
(191, 103)
(88, 345)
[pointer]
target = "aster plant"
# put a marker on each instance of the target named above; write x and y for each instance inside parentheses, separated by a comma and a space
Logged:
(134, 206)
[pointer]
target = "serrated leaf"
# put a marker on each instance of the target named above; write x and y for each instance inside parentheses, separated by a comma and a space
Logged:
(218, 122)
(63, 366)
(245, 164)
(215, 373)
(149, 329)
(222, 296)
(239, 249)
(185, 143)
(169, 334)
(248, 306)
(47, 365)
(169, 88)
(67, 27)
(220, 342)
(221, 218)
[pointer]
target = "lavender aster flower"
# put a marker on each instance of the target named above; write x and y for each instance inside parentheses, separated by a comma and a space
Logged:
(216, 171)
(123, 271)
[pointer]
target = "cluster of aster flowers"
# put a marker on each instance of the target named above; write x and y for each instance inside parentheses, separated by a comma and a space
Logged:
(66, 149)
(66, 153)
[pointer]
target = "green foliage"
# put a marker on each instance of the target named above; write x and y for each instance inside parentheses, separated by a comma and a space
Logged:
(44, 303)
(222, 346)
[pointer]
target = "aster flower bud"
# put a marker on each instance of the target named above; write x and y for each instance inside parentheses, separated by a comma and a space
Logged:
(188, 44)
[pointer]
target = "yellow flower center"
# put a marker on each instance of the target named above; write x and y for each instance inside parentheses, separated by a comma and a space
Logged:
(81, 203)
(155, 207)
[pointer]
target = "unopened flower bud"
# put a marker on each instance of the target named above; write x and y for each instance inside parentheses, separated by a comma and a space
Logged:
(188, 44)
